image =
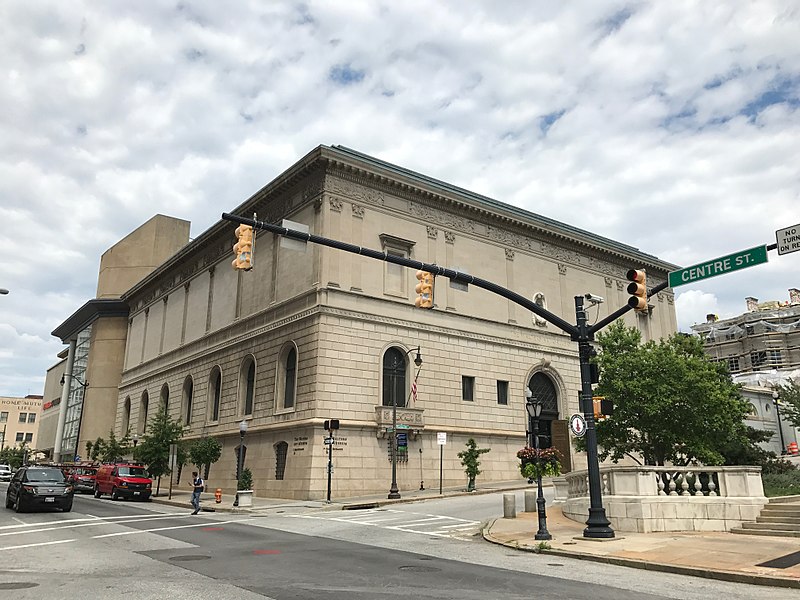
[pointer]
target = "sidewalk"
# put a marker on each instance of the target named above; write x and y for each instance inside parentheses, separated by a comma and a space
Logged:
(183, 497)
(713, 555)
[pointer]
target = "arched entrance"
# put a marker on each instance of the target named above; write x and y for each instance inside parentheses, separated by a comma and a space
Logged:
(553, 431)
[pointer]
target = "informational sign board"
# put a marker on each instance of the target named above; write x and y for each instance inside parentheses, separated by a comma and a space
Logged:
(788, 239)
(577, 425)
(441, 438)
(719, 266)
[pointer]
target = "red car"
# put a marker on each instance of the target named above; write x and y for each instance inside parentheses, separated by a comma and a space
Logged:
(123, 480)
(82, 478)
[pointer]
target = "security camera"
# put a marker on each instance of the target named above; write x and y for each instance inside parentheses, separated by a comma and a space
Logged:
(594, 299)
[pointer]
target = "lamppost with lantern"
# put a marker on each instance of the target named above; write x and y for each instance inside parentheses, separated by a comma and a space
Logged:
(394, 493)
(534, 408)
(776, 401)
(240, 462)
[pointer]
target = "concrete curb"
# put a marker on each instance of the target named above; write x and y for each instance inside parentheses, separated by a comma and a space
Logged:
(721, 575)
(451, 494)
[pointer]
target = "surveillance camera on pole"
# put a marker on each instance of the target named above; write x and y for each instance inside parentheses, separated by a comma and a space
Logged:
(594, 299)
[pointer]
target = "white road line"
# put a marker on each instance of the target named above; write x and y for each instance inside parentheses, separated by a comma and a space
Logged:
(92, 523)
(91, 519)
(35, 545)
(136, 531)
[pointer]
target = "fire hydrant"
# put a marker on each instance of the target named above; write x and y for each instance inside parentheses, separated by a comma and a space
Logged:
(218, 495)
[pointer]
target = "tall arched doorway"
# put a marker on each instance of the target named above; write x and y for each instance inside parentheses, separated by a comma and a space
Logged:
(552, 429)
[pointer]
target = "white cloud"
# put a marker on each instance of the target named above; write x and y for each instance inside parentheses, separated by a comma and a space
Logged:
(669, 126)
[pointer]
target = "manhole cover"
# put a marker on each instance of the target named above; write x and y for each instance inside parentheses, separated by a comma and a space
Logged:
(17, 585)
(416, 569)
(189, 557)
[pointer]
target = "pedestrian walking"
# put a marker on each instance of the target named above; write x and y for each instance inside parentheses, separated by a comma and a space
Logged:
(197, 485)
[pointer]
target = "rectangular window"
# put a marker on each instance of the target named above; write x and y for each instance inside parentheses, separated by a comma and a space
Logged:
(3, 416)
(502, 392)
(23, 417)
(758, 359)
(395, 276)
(730, 336)
(31, 417)
(467, 388)
(774, 357)
(19, 437)
(749, 329)
(733, 364)
(29, 437)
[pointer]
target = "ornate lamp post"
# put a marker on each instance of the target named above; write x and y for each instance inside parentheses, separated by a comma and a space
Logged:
(240, 462)
(393, 491)
(534, 408)
(776, 401)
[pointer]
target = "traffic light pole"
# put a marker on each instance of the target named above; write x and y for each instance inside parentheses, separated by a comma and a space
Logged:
(597, 525)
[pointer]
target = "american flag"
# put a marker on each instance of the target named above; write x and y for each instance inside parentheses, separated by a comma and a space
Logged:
(414, 389)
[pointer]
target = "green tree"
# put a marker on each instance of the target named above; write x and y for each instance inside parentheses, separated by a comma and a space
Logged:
(114, 449)
(671, 403)
(470, 461)
(153, 449)
(97, 449)
(205, 452)
(12, 456)
(789, 397)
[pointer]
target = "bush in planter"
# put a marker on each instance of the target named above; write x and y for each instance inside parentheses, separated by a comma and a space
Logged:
(245, 480)
(544, 461)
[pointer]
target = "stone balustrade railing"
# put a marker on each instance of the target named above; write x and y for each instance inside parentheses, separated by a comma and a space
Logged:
(648, 498)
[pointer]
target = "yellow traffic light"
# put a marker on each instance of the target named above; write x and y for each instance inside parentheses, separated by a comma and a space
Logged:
(424, 290)
(243, 248)
(637, 289)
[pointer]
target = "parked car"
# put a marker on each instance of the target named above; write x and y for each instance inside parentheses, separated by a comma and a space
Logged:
(82, 478)
(5, 473)
(39, 487)
(123, 480)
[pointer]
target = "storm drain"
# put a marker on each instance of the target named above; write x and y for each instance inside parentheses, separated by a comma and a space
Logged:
(189, 557)
(416, 569)
(17, 585)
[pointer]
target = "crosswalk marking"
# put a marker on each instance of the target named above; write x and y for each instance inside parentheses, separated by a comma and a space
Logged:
(397, 520)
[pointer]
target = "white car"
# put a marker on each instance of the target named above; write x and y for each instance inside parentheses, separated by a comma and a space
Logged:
(5, 473)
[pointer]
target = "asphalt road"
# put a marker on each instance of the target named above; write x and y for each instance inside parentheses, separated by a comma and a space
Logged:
(421, 550)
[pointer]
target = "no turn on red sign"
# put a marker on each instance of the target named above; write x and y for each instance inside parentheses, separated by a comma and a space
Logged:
(788, 239)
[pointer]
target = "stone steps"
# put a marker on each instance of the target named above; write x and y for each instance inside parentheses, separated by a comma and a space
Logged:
(777, 518)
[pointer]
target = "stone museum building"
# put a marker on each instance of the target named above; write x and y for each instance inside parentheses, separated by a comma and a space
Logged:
(312, 333)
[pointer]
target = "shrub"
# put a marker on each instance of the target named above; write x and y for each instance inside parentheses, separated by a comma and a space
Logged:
(782, 484)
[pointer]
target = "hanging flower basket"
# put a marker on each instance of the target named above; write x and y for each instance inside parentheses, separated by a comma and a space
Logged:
(544, 461)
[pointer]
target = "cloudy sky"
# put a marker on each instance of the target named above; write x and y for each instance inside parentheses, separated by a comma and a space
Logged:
(671, 126)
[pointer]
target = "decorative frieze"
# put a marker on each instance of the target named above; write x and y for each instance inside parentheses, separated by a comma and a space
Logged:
(441, 218)
(509, 254)
(562, 269)
(336, 205)
(355, 191)
(433, 233)
(358, 211)
(449, 237)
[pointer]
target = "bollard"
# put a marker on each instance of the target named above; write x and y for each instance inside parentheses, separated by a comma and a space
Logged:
(509, 506)
(530, 501)
(218, 495)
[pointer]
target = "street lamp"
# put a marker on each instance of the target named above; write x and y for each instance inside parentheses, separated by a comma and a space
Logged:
(776, 402)
(534, 408)
(394, 493)
(135, 439)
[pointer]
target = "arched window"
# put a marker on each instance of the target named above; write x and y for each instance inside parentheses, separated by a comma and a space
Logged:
(163, 401)
(394, 377)
(126, 415)
(281, 450)
(247, 385)
(143, 406)
(543, 388)
(186, 400)
(214, 393)
(290, 379)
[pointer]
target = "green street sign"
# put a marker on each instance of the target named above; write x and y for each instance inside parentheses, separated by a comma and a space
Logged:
(719, 266)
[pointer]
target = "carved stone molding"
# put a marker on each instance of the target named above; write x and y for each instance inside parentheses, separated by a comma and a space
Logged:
(562, 269)
(608, 281)
(670, 299)
(509, 238)
(355, 191)
(411, 417)
(441, 218)
(510, 254)
(336, 205)
(620, 286)
(358, 211)
(433, 233)
(449, 237)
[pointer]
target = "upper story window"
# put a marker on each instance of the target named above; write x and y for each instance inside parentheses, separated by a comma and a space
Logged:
(733, 364)
(286, 378)
(247, 386)
(144, 406)
(23, 417)
(215, 393)
(3, 416)
(394, 377)
(395, 277)
(467, 388)
(502, 392)
(187, 399)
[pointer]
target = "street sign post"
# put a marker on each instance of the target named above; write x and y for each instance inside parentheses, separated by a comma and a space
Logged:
(441, 439)
(788, 239)
(719, 266)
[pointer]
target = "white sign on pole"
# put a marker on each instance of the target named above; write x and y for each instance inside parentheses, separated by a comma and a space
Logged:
(788, 239)
(441, 438)
(173, 456)
(291, 243)
(577, 425)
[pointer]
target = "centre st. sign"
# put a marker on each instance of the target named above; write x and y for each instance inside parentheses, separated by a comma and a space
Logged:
(719, 266)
